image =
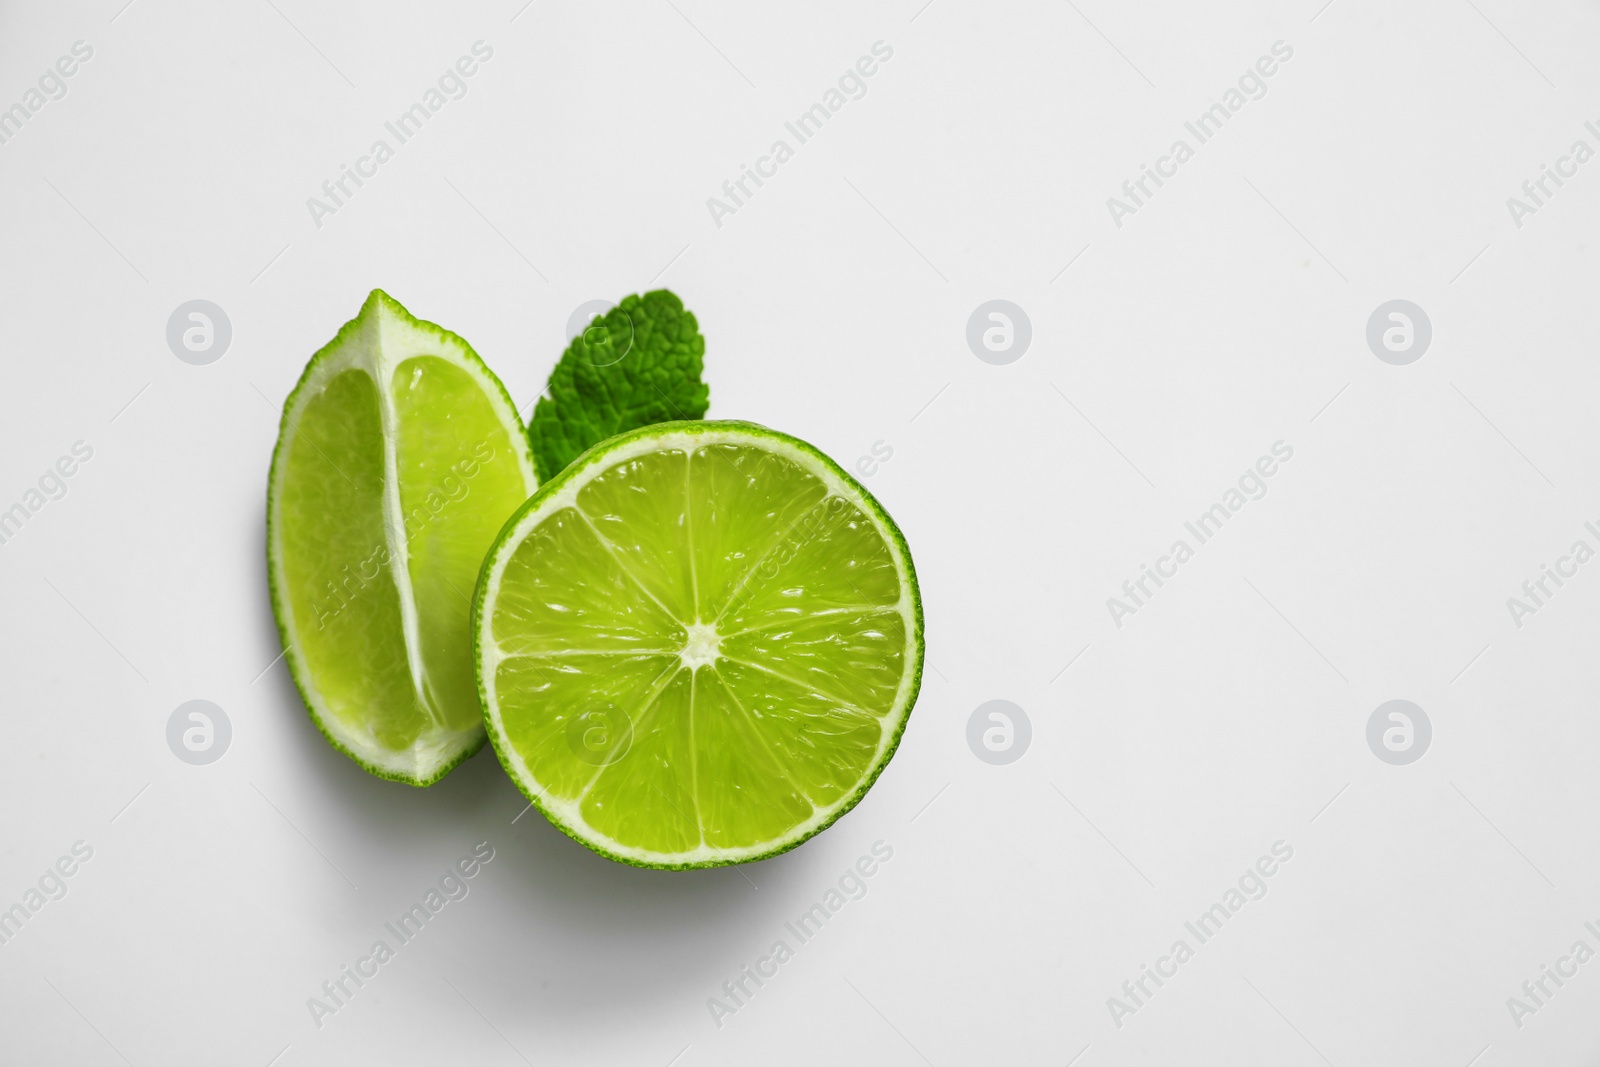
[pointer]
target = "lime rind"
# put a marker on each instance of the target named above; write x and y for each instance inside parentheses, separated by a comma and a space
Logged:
(391, 323)
(561, 492)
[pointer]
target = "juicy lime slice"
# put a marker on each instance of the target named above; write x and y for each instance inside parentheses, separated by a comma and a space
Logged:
(399, 458)
(698, 644)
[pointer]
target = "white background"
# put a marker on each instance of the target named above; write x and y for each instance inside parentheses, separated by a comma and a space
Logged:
(1229, 713)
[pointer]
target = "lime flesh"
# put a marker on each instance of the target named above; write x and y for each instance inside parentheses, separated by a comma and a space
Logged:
(698, 644)
(399, 458)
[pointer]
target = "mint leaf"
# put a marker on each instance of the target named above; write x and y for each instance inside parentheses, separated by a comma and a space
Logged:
(638, 364)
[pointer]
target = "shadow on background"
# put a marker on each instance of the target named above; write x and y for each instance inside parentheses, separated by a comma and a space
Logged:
(554, 928)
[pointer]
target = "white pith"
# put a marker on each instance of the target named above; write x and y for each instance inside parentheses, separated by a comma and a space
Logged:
(700, 648)
(377, 348)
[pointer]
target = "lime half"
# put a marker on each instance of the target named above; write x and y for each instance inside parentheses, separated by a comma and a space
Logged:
(698, 644)
(399, 458)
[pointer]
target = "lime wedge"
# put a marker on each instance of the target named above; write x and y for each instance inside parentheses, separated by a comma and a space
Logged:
(697, 645)
(399, 457)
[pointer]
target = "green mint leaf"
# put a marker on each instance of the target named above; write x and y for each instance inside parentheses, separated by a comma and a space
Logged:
(638, 364)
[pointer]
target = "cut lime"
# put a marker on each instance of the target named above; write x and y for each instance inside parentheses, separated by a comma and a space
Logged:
(698, 644)
(399, 458)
